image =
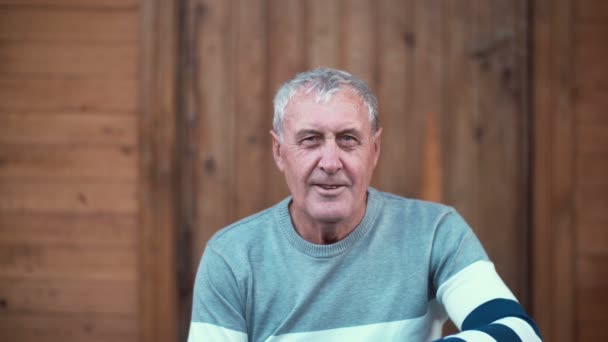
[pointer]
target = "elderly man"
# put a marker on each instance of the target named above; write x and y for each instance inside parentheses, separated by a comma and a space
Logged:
(338, 260)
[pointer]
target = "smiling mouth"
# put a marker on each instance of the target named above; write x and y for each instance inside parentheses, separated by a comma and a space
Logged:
(329, 186)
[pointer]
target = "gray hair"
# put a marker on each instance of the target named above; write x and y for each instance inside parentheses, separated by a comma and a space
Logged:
(325, 82)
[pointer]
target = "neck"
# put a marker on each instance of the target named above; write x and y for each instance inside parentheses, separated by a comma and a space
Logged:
(324, 233)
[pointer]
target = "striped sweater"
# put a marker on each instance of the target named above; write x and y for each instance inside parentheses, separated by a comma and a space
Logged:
(406, 268)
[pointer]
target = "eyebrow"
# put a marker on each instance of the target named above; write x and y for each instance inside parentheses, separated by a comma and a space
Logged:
(302, 133)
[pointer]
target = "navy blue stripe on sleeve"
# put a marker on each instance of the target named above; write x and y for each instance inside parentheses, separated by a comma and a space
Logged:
(451, 339)
(500, 332)
(494, 310)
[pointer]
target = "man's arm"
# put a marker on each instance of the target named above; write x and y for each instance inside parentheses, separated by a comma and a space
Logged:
(473, 294)
(217, 307)
(483, 308)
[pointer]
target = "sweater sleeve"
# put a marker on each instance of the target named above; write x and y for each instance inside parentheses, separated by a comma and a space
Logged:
(472, 293)
(217, 306)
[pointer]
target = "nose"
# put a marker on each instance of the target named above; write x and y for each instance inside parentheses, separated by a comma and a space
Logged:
(330, 158)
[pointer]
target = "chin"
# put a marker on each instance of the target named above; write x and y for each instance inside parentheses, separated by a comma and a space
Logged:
(329, 213)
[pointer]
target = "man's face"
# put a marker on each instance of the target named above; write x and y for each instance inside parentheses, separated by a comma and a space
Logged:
(328, 155)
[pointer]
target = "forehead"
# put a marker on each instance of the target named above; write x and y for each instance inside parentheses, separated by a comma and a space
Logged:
(344, 108)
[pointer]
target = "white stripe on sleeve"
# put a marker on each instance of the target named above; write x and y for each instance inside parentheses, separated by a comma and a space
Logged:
(471, 287)
(205, 332)
(473, 336)
(521, 328)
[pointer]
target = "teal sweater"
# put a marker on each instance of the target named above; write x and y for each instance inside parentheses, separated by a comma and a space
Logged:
(392, 278)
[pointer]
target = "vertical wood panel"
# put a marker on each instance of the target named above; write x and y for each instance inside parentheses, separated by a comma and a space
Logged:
(460, 156)
(254, 117)
(157, 297)
(323, 38)
(501, 131)
(395, 47)
(427, 94)
(358, 50)
(287, 56)
(554, 254)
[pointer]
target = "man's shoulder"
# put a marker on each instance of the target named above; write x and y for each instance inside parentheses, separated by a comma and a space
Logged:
(246, 230)
(413, 206)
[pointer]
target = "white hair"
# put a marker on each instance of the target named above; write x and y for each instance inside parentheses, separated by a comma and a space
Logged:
(324, 82)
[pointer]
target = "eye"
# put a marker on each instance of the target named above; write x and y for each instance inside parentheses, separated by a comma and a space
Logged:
(348, 140)
(310, 141)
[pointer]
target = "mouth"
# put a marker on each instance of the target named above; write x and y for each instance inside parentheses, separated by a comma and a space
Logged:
(329, 189)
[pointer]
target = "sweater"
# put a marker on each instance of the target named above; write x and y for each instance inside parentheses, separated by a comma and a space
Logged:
(406, 268)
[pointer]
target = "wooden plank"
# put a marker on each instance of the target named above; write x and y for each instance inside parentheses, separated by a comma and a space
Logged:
(50, 58)
(68, 25)
(591, 11)
(252, 141)
(323, 39)
(358, 50)
(67, 261)
(592, 237)
(427, 92)
(287, 51)
(79, 229)
(592, 281)
(592, 201)
(458, 112)
(92, 4)
(590, 54)
(209, 79)
(81, 296)
(80, 164)
(157, 295)
(590, 106)
(592, 169)
(93, 327)
(554, 269)
(396, 44)
(592, 330)
(77, 197)
(67, 94)
(592, 140)
(68, 129)
(500, 129)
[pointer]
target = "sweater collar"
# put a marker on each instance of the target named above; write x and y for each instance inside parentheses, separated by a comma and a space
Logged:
(327, 251)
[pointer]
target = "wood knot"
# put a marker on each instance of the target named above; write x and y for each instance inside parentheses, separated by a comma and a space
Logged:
(409, 39)
(209, 165)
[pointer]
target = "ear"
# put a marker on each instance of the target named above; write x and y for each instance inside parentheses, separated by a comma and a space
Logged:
(377, 144)
(276, 150)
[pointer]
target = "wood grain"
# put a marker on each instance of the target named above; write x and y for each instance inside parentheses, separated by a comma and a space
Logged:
(57, 197)
(287, 56)
(29, 59)
(83, 94)
(395, 48)
(88, 4)
(323, 33)
(157, 295)
(74, 164)
(81, 296)
(68, 261)
(59, 25)
(68, 129)
(58, 229)
(53, 327)
(254, 114)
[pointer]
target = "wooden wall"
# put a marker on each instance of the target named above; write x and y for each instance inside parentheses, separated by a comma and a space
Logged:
(130, 131)
(68, 170)
(571, 165)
